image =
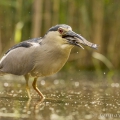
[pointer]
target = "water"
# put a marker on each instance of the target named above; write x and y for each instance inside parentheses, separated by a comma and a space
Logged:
(73, 97)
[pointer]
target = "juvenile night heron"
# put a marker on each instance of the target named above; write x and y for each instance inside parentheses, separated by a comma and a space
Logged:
(42, 56)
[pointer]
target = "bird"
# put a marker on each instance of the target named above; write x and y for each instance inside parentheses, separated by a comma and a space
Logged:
(43, 56)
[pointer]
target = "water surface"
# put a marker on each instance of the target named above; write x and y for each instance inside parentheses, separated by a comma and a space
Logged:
(82, 96)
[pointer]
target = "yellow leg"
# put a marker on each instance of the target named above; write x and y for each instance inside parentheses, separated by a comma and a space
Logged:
(36, 88)
(27, 86)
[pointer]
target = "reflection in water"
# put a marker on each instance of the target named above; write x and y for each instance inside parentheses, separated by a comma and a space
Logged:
(69, 99)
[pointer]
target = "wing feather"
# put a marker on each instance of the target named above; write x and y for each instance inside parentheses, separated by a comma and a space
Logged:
(18, 60)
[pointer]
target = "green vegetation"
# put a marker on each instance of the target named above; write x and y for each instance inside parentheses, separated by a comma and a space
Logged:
(97, 20)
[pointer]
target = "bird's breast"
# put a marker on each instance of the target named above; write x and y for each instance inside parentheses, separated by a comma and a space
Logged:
(49, 62)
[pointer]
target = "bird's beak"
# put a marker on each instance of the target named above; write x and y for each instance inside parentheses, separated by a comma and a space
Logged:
(76, 39)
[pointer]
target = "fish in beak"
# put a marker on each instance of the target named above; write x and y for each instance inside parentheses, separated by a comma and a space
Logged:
(76, 39)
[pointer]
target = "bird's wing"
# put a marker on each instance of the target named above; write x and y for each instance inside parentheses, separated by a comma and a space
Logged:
(27, 43)
(19, 59)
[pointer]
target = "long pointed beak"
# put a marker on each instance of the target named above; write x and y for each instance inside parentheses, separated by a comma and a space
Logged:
(76, 39)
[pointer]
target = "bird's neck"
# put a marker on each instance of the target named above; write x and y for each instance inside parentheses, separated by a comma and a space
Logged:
(58, 43)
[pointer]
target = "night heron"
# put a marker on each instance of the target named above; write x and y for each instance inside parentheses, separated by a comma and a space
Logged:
(42, 56)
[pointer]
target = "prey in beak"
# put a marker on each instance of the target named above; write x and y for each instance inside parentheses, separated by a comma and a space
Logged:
(76, 39)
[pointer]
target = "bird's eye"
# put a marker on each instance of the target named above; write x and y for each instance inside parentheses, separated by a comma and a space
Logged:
(60, 30)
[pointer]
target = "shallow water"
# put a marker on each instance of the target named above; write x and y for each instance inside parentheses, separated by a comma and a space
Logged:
(75, 97)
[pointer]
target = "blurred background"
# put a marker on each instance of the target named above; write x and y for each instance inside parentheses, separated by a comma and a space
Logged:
(96, 20)
(88, 86)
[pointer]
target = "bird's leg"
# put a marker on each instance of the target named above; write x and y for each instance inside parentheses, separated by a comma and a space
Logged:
(36, 89)
(27, 86)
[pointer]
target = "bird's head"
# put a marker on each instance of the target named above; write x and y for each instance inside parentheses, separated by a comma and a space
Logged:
(63, 35)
